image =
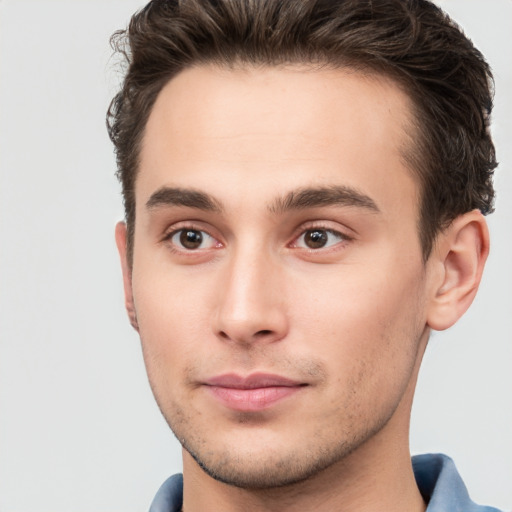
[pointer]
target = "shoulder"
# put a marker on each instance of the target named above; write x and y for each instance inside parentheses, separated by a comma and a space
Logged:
(436, 475)
(169, 497)
(441, 485)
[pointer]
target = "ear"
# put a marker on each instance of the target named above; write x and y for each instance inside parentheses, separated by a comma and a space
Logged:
(121, 239)
(459, 258)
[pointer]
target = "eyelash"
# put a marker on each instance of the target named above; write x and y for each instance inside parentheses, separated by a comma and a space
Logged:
(175, 245)
(342, 238)
(168, 238)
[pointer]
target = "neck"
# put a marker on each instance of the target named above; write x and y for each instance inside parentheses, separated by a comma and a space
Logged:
(376, 476)
(383, 485)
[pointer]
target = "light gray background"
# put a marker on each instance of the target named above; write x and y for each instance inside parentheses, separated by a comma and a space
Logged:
(79, 430)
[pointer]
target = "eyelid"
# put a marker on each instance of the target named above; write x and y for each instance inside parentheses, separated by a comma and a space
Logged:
(192, 225)
(325, 225)
(195, 225)
(341, 238)
(330, 227)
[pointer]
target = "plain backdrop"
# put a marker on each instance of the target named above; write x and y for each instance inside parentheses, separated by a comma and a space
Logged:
(79, 430)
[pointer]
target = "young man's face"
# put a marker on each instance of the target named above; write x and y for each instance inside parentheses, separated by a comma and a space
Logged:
(278, 281)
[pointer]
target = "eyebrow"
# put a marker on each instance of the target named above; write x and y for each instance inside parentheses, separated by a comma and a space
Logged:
(190, 198)
(300, 199)
(305, 198)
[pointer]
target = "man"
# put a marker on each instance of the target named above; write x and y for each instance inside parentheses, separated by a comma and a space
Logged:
(304, 185)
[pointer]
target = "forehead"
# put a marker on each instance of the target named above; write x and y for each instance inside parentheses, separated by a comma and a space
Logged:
(282, 125)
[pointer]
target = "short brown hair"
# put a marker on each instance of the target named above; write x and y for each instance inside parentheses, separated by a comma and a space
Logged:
(412, 41)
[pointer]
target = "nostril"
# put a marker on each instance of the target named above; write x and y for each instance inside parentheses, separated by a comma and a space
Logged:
(263, 332)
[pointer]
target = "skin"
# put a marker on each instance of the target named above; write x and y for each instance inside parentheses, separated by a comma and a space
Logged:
(348, 321)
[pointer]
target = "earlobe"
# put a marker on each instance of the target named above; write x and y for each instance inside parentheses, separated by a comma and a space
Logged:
(121, 240)
(460, 255)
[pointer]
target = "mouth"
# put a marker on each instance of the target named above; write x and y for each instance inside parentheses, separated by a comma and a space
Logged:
(255, 392)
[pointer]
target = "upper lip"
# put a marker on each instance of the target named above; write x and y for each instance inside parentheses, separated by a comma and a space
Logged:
(253, 381)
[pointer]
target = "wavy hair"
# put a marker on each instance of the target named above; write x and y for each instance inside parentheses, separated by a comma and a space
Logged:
(412, 41)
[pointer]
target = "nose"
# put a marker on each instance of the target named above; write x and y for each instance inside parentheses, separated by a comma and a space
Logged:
(251, 304)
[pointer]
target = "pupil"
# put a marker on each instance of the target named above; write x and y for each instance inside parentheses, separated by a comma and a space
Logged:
(191, 239)
(315, 239)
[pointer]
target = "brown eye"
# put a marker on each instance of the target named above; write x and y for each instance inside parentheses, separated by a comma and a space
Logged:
(315, 238)
(319, 238)
(190, 238)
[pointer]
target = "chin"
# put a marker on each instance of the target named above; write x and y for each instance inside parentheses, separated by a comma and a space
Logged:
(273, 463)
(261, 472)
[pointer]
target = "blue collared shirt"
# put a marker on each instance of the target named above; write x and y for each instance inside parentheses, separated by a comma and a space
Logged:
(436, 475)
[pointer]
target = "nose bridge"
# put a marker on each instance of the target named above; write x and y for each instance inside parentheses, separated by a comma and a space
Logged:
(251, 304)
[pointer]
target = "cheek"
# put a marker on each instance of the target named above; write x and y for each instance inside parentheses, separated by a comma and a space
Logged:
(365, 325)
(167, 299)
(172, 320)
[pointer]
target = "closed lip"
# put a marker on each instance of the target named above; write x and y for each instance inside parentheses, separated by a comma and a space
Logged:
(253, 381)
(252, 393)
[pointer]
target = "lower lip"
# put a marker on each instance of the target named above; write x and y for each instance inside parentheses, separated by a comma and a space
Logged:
(249, 400)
